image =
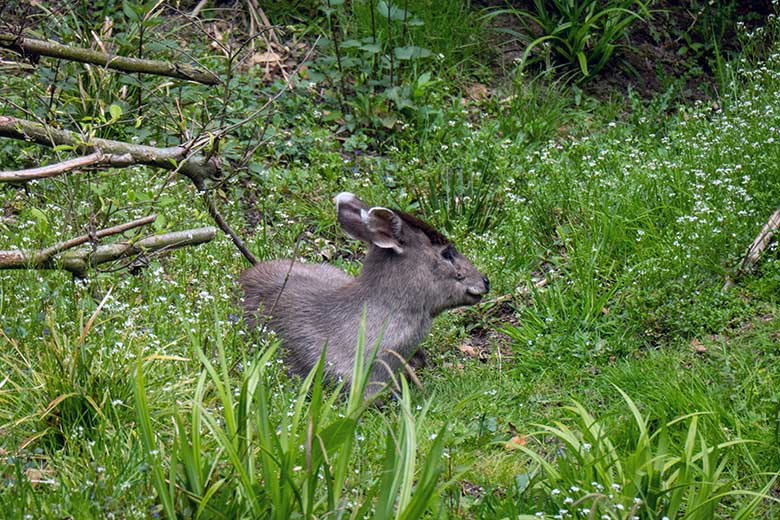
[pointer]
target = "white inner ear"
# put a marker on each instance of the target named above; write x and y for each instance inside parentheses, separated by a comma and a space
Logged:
(384, 238)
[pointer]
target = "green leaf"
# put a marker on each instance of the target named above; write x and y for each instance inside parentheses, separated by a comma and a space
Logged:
(583, 63)
(40, 217)
(160, 222)
(133, 12)
(410, 52)
(115, 111)
(390, 11)
(371, 48)
(521, 481)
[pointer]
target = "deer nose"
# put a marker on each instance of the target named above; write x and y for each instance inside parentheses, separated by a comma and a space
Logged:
(487, 283)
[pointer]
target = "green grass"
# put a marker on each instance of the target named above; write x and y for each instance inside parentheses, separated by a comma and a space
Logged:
(159, 403)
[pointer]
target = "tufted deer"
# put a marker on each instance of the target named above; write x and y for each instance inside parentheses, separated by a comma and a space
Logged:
(411, 273)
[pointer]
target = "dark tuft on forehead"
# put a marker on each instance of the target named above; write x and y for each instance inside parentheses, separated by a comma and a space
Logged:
(433, 235)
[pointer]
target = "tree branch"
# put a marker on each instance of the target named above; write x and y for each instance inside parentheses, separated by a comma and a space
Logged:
(21, 259)
(196, 167)
(80, 260)
(52, 170)
(30, 46)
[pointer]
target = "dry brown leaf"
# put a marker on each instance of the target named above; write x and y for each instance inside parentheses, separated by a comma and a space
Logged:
(468, 350)
(515, 442)
(269, 57)
(698, 346)
(478, 91)
(39, 476)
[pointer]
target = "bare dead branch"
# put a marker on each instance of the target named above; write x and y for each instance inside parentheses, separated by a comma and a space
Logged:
(52, 170)
(30, 46)
(79, 261)
(756, 249)
(196, 167)
(198, 8)
(761, 241)
(22, 259)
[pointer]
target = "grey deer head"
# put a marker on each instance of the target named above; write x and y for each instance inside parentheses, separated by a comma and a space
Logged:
(408, 256)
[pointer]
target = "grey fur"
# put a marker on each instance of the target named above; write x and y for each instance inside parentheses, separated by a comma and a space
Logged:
(407, 279)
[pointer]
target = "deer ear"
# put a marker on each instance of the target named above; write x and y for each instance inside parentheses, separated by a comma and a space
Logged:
(350, 210)
(385, 228)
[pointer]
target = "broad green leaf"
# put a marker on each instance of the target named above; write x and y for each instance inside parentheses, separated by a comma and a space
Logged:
(410, 52)
(115, 111)
(390, 11)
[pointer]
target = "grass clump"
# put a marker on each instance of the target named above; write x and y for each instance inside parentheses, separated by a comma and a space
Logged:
(651, 477)
(270, 456)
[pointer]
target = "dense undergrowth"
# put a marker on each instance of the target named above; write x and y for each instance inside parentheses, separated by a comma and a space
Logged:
(616, 377)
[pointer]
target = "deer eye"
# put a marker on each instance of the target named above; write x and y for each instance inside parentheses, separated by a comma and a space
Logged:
(448, 254)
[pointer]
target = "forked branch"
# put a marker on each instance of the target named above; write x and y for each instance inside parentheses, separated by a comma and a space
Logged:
(177, 158)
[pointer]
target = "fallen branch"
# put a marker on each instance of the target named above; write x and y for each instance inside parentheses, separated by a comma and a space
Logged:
(52, 170)
(756, 249)
(24, 259)
(196, 167)
(32, 47)
(79, 261)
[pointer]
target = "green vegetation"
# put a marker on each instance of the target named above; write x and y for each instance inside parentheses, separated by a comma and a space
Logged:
(610, 374)
(577, 34)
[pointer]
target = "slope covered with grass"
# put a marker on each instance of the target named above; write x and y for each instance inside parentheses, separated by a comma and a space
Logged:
(608, 230)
